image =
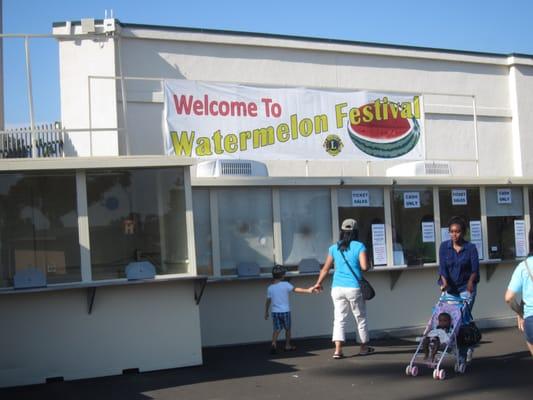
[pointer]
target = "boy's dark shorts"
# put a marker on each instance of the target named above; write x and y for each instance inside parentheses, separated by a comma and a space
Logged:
(281, 320)
(528, 329)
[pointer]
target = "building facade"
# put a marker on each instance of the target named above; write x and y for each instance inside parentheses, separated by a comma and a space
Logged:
(123, 194)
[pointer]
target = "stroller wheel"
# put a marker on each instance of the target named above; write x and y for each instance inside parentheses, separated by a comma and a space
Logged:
(436, 374)
(442, 374)
(408, 370)
(414, 370)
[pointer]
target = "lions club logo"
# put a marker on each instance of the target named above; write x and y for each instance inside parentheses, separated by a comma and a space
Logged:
(333, 145)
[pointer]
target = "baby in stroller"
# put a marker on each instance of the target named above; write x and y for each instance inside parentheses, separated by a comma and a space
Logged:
(434, 338)
(440, 337)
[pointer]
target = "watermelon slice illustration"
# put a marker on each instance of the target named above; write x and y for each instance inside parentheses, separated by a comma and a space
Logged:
(388, 138)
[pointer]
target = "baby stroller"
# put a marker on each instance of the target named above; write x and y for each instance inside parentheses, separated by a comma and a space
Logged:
(459, 311)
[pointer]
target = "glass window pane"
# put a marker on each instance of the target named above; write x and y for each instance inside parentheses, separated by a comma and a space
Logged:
(471, 211)
(39, 226)
(366, 212)
(137, 214)
(513, 205)
(202, 231)
(412, 210)
(245, 228)
(306, 224)
(502, 211)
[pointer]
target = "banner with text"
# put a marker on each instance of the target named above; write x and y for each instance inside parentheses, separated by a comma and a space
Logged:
(215, 120)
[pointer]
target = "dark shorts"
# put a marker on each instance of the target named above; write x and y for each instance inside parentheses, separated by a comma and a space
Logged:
(528, 329)
(281, 320)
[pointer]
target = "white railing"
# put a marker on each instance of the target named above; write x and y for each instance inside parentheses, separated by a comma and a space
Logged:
(45, 140)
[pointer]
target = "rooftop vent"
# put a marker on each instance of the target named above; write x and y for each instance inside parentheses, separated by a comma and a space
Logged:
(216, 168)
(421, 168)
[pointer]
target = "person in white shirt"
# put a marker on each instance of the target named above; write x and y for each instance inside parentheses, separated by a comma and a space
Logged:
(278, 302)
(437, 336)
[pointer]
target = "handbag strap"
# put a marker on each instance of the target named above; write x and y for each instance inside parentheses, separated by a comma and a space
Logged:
(350, 267)
(529, 271)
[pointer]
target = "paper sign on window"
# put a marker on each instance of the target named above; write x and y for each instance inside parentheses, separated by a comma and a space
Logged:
(379, 249)
(476, 237)
(459, 197)
(504, 196)
(428, 232)
(520, 237)
(411, 200)
(444, 234)
(360, 198)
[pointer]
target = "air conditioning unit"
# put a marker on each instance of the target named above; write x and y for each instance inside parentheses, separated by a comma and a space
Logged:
(421, 168)
(218, 168)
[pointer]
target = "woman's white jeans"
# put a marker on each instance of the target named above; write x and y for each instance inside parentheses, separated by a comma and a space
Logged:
(346, 300)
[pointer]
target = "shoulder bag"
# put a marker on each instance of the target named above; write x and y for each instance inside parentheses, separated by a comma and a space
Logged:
(367, 290)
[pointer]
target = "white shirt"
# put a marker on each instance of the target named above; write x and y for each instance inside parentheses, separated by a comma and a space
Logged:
(278, 293)
(440, 333)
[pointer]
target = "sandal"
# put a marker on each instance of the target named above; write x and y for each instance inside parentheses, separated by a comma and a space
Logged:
(338, 356)
(273, 350)
(369, 350)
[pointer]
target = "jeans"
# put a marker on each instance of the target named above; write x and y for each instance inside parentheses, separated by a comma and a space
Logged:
(346, 300)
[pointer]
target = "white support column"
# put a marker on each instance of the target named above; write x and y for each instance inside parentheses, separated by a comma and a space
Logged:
(334, 214)
(484, 228)
(437, 223)
(189, 221)
(388, 226)
(276, 213)
(215, 237)
(527, 216)
(83, 227)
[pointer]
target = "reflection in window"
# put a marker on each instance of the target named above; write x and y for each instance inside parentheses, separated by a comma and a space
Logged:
(39, 226)
(135, 215)
(367, 212)
(502, 212)
(306, 224)
(245, 228)
(413, 232)
(202, 231)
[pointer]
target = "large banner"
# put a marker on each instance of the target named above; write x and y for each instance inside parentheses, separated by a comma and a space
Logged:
(214, 120)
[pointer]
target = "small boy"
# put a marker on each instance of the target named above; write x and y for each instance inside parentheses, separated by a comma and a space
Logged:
(437, 336)
(278, 298)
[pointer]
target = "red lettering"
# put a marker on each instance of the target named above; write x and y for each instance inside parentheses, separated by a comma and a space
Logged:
(182, 104)
(223, 108)
(212, 110)
(197, 107)
(252, 109)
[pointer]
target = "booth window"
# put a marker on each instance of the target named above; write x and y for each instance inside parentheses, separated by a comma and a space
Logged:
(137, 215)
(413, 228)
(245, 228)
(202, 231)
(505, 223)
(305, 224)
(39, 226)
(464, 203)
(365, 205)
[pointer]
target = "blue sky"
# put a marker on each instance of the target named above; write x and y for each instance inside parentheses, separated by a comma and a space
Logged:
(472, 25)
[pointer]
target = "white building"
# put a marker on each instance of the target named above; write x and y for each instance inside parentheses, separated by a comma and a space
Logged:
(117, 197)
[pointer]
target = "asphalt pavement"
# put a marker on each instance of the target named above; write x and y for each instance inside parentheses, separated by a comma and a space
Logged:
(501, 368)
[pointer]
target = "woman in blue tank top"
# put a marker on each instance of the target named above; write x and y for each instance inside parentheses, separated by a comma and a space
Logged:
(349, 257)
